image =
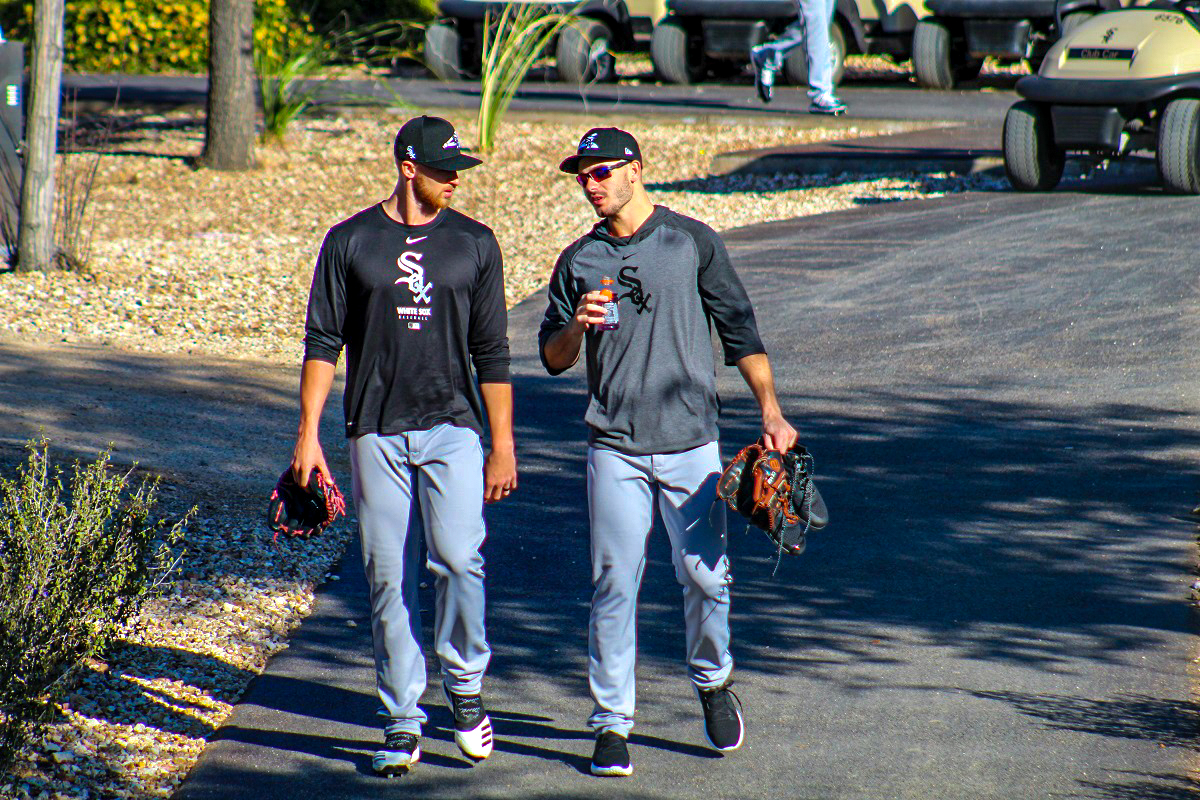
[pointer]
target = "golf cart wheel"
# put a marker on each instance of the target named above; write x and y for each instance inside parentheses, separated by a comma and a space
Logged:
(584, 52)
(795, 66)
(936, 62)
(1179, 146)
(676, 57)
(1031, 159)
(931, 55)
(443, 51)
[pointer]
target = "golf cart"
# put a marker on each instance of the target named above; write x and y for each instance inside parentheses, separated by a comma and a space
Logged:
(949, 45)
(1122, 81)
(698, 38)
(583, 51)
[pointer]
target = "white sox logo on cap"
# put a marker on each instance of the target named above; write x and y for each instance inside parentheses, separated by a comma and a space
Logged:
(588, 143)
(411, 152)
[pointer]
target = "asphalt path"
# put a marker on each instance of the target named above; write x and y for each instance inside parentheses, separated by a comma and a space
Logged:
(709, 100)
(1000, 393)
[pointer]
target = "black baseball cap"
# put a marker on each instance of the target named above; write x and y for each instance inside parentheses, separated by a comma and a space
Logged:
(603, 143)
(432, 141)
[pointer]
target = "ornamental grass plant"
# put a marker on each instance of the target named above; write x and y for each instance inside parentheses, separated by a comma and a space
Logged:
(512, 42)
(77, 559)
(285, 87)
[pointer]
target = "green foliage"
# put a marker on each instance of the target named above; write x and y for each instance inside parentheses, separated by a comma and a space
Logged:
(76, 562)
(511, 43)
(358, 14)
(382, 43)
(281, 85)
(156, 35)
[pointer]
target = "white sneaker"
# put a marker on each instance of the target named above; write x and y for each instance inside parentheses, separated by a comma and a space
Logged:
(828, 106)
(472, 726)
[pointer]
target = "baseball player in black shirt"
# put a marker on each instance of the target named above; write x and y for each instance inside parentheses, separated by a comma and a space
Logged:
(414, 292)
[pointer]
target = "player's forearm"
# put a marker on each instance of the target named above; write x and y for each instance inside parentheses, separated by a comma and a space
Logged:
(498, 400)
(316, 379)
(561, 350)
(756, 370)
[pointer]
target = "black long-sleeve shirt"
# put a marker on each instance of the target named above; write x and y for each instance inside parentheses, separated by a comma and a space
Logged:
(651, 382)
(415, 306)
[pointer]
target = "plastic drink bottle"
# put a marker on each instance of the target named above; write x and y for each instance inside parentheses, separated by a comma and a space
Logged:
(612, 317)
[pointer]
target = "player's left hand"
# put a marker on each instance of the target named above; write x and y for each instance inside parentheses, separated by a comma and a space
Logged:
(499, 475)
(777, 433)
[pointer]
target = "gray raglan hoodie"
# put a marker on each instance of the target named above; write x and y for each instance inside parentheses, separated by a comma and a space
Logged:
(651, 382)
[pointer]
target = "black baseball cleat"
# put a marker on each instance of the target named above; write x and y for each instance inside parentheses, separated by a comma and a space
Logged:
(723, 725)
(400, 753)
(472, 726)
(610, 759)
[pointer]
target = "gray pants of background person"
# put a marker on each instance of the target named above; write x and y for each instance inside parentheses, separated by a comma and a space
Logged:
(621, 498)
(442, 470)
(810, 30)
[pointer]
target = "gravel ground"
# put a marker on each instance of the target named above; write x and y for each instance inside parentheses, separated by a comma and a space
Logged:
(186, 260)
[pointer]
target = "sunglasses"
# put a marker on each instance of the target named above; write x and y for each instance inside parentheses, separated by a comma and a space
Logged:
(601, 173)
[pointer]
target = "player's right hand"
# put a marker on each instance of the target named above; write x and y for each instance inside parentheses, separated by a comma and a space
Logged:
(306, 457)
(590, 310)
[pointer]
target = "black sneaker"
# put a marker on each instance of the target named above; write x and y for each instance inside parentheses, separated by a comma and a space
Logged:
(764, 74)
(400, 752)
(723, 725)
(472, 726)
(611, 756)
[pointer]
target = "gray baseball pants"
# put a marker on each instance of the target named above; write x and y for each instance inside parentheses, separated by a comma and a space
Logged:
(430, 481)
(811, 31)
(622, 493)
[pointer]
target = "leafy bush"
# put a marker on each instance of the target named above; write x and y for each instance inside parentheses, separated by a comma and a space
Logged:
(156, 35)
(75, 565)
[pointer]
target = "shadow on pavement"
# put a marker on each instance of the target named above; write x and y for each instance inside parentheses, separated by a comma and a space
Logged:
(1000, 531)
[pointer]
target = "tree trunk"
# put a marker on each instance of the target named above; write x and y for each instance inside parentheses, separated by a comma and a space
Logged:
(36, 250)
(229, 130)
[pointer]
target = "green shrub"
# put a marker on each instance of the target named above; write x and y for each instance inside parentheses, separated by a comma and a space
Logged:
(157, 35)
(76, 562)
(354, 14)
(281, 86)
(511, 43)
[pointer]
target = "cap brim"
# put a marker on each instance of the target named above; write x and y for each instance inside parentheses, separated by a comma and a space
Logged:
(571, 164)
(457, 162)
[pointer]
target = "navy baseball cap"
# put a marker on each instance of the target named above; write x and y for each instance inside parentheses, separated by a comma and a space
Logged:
(603, 143)
(432, 141)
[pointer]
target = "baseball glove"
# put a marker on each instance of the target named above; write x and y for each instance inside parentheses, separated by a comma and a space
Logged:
(303, 512)
(774, 491)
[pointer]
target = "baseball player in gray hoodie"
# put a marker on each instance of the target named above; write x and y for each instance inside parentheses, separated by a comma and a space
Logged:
(652, 417)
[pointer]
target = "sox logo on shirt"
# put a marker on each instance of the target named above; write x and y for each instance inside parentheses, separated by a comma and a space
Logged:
(414, 278)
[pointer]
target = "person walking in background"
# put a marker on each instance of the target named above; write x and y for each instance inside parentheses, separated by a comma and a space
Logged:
(652, 417)
(811, 29)
(414, 291)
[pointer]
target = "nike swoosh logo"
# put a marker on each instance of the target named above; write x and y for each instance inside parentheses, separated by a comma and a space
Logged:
(626, 257)
(410, 240)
